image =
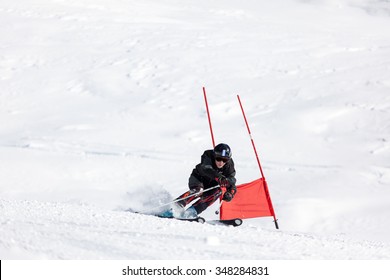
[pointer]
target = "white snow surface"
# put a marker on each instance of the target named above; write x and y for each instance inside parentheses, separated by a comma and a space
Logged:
(102, 110)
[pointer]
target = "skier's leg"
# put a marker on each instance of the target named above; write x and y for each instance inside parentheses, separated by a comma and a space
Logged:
(195, 185)
(177, 209)
(206, 200)
(184, 201)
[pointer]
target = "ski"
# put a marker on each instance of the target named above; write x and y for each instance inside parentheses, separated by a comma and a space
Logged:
(197, 219)
(231, 222)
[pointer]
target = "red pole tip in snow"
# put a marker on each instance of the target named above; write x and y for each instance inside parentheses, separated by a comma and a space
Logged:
(208, 116)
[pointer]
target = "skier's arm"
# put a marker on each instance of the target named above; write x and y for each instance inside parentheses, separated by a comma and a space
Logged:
(205, 168)
(231, 173)
(232, 180)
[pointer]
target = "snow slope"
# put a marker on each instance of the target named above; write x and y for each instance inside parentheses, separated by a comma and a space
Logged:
(101, 109)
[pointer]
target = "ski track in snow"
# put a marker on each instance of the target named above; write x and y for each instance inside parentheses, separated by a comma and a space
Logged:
(85, 232)
(101, 110)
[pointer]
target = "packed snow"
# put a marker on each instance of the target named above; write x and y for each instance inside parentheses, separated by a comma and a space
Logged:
(102, 110)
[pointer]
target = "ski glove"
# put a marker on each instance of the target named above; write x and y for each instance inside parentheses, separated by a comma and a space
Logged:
(232, 189)
(228, 196)
(222, 181)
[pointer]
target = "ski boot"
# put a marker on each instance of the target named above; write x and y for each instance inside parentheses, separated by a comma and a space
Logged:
(190, 213)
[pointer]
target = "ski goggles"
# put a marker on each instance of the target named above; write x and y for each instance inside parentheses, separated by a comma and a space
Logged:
(222, 159)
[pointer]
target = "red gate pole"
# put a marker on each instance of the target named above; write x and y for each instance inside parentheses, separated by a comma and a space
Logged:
(250, 135)
(208, 116)
(212, 139)
(271, 208)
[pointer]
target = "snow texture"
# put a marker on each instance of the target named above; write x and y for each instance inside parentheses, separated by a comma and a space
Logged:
(102, 110)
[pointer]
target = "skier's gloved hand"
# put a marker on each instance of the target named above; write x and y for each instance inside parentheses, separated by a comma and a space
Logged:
(228, 196)
(222, 181)
(232, 189)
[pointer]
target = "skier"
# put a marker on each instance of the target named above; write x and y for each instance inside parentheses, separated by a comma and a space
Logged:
(216, 168)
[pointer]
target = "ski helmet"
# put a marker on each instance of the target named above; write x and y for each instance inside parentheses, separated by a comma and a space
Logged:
(223, 151)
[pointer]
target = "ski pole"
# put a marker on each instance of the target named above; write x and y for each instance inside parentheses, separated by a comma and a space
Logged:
(180, 199)
(219, 207)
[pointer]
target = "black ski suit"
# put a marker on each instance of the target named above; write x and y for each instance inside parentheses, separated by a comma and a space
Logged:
(204, 175)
